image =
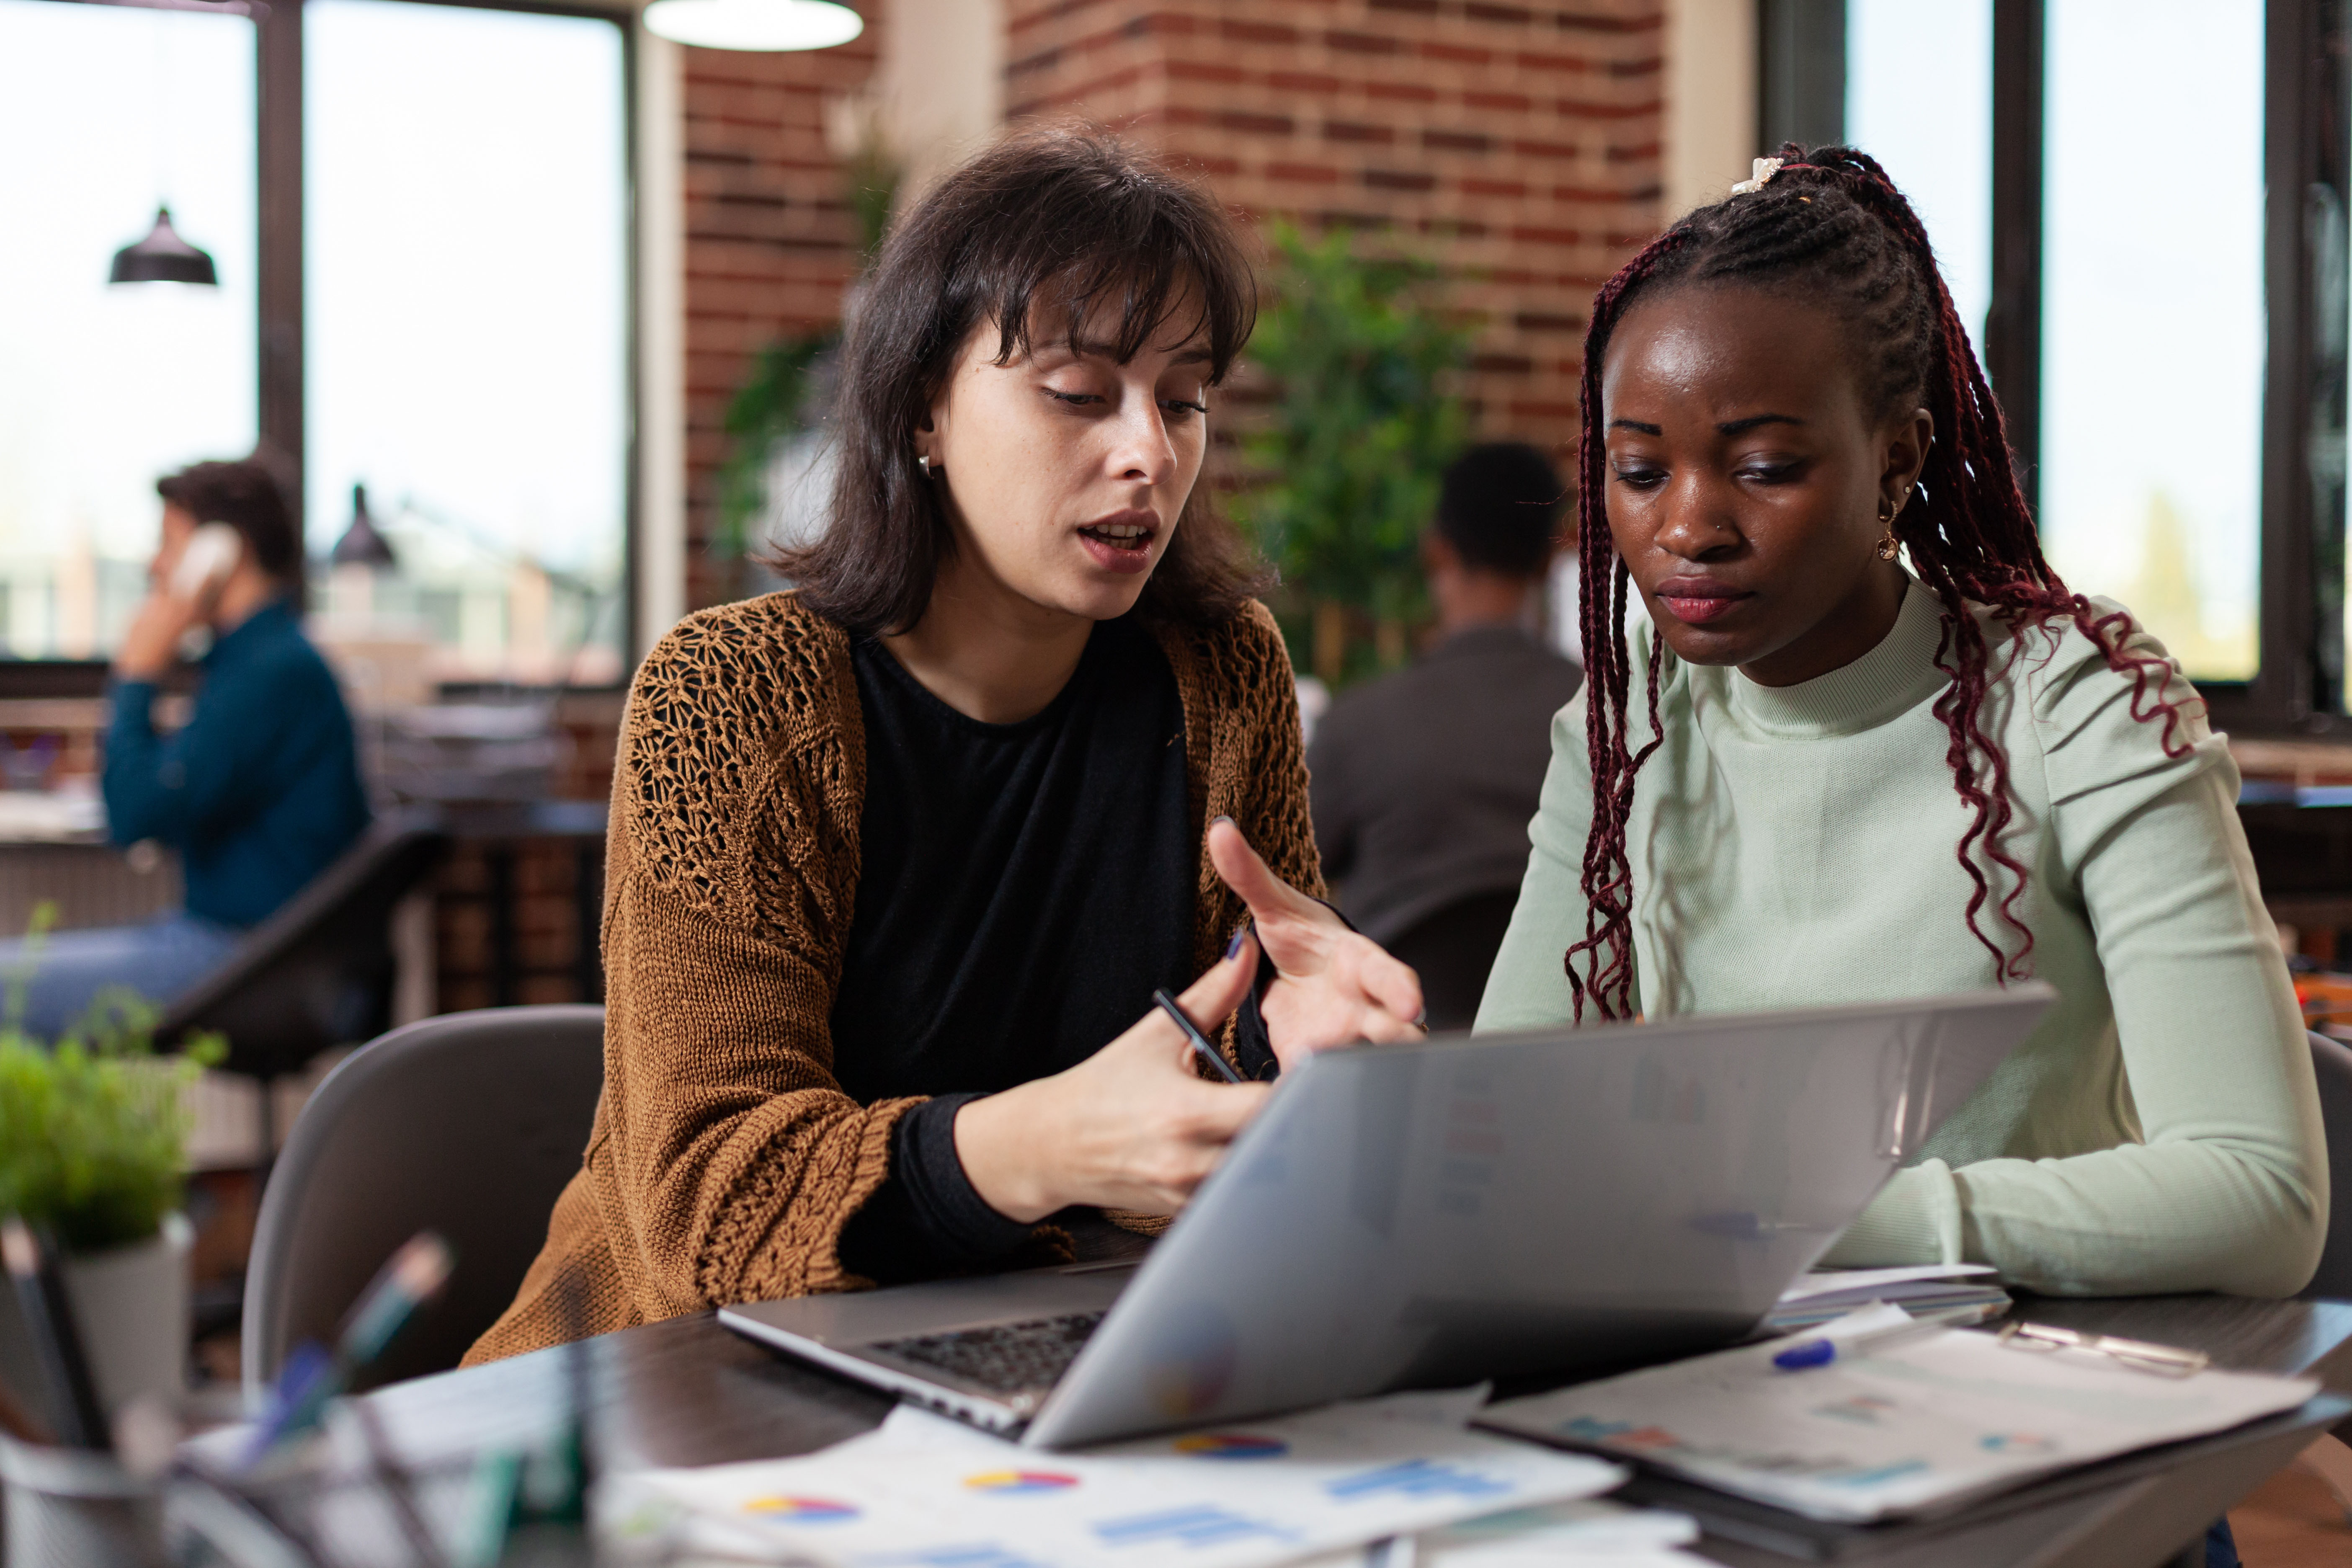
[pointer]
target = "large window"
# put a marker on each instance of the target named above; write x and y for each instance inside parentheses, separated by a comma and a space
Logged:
(2152, 320)
(2142, 202)
(107, 112)
(443, 190)
(468, 327)
(1931, 129)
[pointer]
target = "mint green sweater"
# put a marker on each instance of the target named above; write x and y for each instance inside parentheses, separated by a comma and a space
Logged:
(1794, 846)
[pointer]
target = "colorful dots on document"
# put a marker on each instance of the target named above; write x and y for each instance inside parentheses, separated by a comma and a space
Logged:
(1005, 1483)
(801, 1510)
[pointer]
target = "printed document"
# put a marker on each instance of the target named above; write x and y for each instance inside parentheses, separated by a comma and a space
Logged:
(1248, 1495)
(1915, 1426)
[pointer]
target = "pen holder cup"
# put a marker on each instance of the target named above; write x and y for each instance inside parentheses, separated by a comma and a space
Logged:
(72, 1506)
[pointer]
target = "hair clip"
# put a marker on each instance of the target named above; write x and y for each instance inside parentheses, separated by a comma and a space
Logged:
(1759, 177)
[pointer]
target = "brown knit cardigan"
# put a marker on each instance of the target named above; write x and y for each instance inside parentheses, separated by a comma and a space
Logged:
(725, 1159)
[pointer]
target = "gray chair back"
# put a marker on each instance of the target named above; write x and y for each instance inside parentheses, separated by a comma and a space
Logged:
(469, 1124)
(2331, 1062)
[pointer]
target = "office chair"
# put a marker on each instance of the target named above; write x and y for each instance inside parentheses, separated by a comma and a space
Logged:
(319, 973)
(469, 1124)
(2331, 1062)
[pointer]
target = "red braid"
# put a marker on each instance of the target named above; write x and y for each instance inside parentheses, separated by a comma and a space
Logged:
(1835, 224)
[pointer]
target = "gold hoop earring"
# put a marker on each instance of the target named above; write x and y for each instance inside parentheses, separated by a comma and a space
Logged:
(1889, 547)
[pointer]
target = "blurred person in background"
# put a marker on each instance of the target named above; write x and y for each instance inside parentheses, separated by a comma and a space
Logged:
(258, 793)
(1424, 781)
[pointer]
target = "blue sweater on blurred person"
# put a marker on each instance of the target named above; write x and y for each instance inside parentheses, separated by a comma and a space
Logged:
(260, 790)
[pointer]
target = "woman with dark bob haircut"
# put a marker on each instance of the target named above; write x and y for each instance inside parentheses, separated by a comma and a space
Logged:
(898, 857)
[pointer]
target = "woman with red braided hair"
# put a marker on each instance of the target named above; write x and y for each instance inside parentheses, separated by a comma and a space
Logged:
(1875, 748)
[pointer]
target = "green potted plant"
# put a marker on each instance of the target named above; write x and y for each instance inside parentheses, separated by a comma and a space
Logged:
(93, 1138)
(1346, 471)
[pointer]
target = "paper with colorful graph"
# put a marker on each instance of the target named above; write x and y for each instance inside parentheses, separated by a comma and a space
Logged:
(1912, 1426)
(923, 1491)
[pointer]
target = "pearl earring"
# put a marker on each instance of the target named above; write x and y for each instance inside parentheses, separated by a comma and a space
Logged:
(923, 461)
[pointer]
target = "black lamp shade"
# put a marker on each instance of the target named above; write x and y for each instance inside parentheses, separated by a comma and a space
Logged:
(361, 545)
(162, 257)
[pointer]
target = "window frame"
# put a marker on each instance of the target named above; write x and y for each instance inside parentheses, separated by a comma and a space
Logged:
(2299, 687)
(281, 360)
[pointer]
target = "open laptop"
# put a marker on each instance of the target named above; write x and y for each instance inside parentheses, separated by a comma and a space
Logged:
(1443, 1212)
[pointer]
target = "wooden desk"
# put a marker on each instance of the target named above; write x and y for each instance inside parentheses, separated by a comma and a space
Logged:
(91, 882)
(688, 1392)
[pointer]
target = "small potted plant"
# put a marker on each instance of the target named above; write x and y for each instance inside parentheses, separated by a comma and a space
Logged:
(92, 1148)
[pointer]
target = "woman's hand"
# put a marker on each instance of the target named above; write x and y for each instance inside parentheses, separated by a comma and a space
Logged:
(1131, 1127)
(1335, 987)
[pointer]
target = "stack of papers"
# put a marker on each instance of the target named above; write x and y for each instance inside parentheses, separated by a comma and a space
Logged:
(923, 1489)
(1597, 1534)
(1565, 1535)
(1911, 1425)
(1955, 1293)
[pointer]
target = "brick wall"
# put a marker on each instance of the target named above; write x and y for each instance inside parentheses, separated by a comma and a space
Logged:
(1520, 144)
(769, 240)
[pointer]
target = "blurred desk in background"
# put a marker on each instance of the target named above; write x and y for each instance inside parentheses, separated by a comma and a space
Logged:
(520, 904)
(515, 911)
(52, 829)
(93, 884)
(2301, 837)
(53, 849)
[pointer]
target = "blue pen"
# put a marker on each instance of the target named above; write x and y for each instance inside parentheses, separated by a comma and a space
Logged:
(313, 1376)
(1821, 1351)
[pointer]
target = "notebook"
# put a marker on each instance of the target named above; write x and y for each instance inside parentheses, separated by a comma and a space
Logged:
(1955, 1293)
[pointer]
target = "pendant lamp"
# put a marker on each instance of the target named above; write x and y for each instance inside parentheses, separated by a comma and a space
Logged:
(771, 24)
(363, 543)
(164, 257)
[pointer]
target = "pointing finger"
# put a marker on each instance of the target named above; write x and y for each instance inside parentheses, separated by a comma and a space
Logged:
(1248, 874)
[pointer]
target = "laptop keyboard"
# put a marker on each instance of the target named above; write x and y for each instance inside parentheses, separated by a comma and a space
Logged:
(1010, 1358)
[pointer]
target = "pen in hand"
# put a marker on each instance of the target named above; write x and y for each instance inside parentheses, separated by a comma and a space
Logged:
(1199, 1042)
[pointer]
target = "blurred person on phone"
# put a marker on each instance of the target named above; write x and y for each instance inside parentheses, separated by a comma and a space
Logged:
(258, 792)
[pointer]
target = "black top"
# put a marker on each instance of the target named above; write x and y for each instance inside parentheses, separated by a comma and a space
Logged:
(1023, 889)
